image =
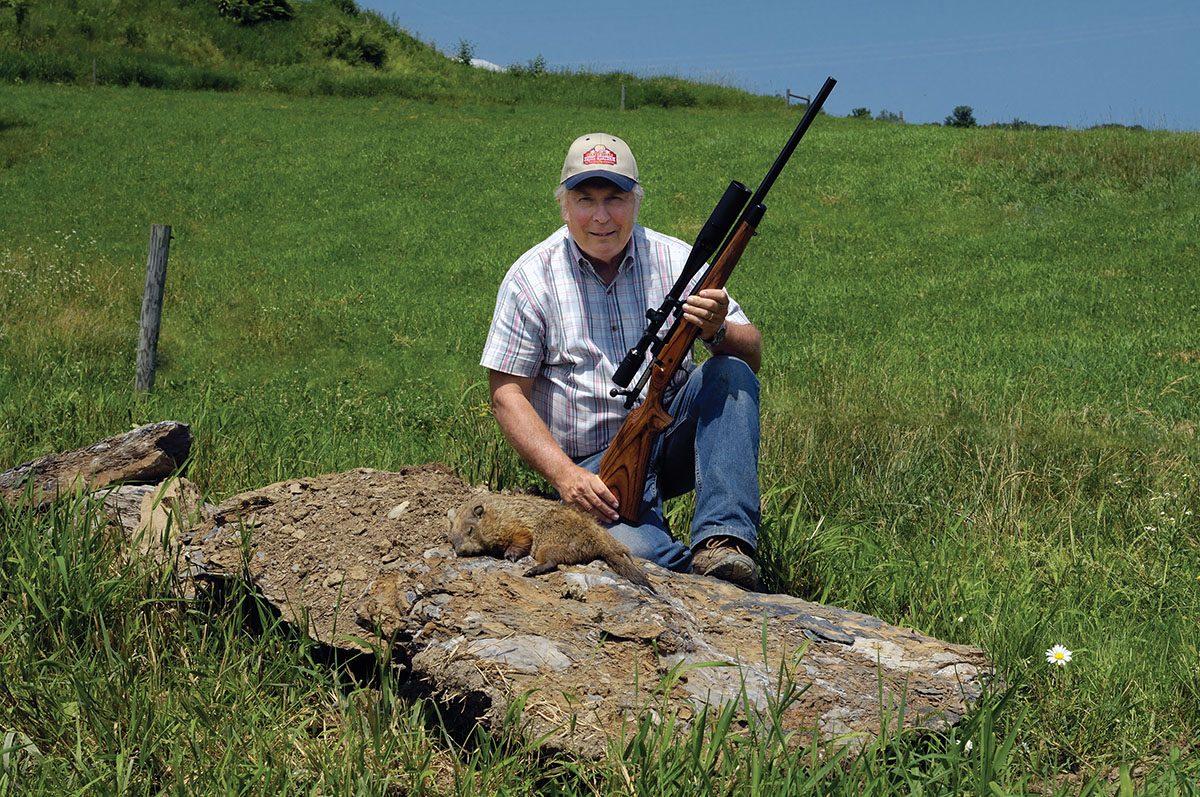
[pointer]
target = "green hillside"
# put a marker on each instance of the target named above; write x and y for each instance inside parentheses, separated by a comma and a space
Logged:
(308, 47)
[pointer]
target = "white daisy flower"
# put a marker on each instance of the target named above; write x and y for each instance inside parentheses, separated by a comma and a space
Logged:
(1058, 655)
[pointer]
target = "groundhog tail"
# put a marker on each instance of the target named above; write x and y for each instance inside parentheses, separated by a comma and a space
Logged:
(626, 568)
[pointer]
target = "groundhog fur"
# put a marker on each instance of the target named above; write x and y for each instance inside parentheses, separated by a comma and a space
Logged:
(515, 525)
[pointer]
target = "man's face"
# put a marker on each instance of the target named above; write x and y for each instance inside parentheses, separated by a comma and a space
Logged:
(600, 217)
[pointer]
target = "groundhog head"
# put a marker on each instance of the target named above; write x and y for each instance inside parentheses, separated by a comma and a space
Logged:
(464, 527)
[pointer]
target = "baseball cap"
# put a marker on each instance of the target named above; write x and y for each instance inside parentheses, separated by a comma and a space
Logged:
(600, 155)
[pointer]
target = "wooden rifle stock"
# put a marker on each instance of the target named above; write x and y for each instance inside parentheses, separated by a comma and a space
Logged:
(624, 464)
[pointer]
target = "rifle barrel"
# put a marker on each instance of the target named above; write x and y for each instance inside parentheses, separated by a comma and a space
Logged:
(814, 108)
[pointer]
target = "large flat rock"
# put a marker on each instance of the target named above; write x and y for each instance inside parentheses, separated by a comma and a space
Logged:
(363, 556)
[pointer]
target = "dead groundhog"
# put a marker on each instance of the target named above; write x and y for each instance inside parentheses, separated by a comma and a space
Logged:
(515, 525)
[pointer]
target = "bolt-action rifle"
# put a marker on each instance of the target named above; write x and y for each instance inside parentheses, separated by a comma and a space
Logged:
(624, 464)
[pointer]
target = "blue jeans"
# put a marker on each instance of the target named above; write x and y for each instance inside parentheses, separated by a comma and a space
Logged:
(711, 447)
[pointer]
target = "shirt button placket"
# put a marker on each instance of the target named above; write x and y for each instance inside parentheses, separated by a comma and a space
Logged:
(614, 312)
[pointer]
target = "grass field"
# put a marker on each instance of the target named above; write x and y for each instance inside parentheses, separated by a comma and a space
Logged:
(980, 413)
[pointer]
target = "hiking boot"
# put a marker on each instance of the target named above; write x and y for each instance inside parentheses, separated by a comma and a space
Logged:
(725, 558)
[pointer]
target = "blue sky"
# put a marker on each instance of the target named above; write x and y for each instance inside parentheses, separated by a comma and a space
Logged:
(1068, 62)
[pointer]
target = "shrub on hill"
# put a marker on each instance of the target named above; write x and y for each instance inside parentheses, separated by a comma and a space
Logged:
(353, 47)
(347, 7)
(534, 67)
(250, 12)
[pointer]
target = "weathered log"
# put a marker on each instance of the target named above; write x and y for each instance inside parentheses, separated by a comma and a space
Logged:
(147, 454)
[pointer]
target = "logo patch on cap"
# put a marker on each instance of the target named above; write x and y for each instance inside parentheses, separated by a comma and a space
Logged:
(599, 155)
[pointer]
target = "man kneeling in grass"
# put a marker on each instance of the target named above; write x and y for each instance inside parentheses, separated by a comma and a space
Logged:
(567, 312)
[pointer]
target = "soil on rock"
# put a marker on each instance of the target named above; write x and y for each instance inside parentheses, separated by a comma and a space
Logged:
(319, 542)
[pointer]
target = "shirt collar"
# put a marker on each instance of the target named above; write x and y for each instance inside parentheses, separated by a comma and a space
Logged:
(581, 260)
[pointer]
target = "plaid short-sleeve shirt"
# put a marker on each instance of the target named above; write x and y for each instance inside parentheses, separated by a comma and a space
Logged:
(557, 321)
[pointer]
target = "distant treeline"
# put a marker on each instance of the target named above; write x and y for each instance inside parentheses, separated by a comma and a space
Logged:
(964, 116)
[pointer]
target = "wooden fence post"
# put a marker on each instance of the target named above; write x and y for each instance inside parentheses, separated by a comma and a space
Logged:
(156, 275)
(788, 96)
